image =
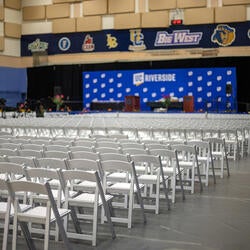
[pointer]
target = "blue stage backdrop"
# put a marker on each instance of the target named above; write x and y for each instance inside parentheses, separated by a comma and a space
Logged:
(214, 89)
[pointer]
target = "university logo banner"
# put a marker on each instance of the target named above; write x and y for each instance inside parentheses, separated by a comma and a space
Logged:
(182, 36)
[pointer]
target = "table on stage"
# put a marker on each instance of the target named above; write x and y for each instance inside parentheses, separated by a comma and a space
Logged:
(107, 106)
(172, 105)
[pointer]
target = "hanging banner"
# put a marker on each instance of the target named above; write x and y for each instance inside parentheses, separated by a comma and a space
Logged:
(173, 37)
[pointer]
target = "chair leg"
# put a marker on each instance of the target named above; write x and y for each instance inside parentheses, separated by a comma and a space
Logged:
(46, 235)
(6, 227)
(14, 237)
(130, 209)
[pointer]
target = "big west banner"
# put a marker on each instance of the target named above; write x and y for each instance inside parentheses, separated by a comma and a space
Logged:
(183, 36)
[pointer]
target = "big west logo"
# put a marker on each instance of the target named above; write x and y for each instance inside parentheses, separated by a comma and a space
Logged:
(223, 35)
(178, 37)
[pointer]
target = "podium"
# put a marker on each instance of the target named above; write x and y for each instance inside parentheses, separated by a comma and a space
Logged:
(132, 103)
(188, 104)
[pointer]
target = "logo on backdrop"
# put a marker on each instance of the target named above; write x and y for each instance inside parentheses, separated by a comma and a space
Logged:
(223, 35)
(178, 37)
(138, 78)
(141, 77)
(248, 33)
(38, 46)
(64, 44)
(88, 44)
(137, 39)
(111, 41)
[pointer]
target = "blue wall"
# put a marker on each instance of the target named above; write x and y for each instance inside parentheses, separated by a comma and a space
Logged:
(207, 85)
(13, 85)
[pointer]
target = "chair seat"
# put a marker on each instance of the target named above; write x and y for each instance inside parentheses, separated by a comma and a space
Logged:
(203, 159)
(185, 164)
(217, 153)
(86, 198)
(38, 214)
(148, 179)
(3, 208)
(117, 176)
(121, 187)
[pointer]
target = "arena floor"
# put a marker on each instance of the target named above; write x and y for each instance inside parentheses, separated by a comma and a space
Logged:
(217, 219)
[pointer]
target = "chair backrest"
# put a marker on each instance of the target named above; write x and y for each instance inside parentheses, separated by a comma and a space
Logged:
(40, 141)
(20, 140)
(53, 147)
(8, 152)
(107, 144)
(203, 147)
(30, 152)
(133, 145)
(113, 156)
(152, 161)
(22, 160)
(84, 155)
(26, 186)
(67, 142)
(33, 146)
(114, 166)
(81, 148)
(84, 143)
(56, 154)
(156, 146)
(134, 151)
(53, 163)
(103, 150)
(41, 174)
(10, 145)
(4, 140)
(187, 152)
(217, 144)
(72, 175)
(11, 169)
(84, 164)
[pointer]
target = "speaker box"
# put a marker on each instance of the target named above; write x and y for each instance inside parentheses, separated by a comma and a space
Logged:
(228, 89)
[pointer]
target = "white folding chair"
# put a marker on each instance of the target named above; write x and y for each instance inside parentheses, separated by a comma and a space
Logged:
(171, 169)
(85, 199)
(188, 160)
(44, 215)
(130, 188)
(204, 156)
(152, 178)
(219, 153)
(7, 212)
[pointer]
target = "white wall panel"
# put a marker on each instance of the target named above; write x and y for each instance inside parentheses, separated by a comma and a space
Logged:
(1, 29)
(11, 47)
(12, 16)
(36, 28)
(36, 2)
(107, 22)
